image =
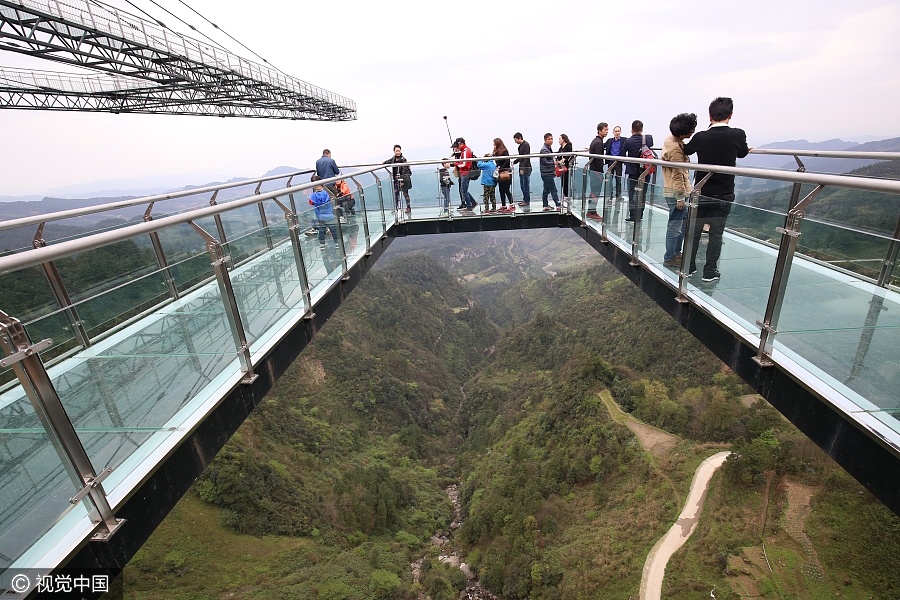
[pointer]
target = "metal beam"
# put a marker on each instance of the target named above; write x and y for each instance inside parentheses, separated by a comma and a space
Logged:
(174, 70)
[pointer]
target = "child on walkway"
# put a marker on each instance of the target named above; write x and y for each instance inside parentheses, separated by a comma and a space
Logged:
(321, 201)
(489, 182)
(445, 181)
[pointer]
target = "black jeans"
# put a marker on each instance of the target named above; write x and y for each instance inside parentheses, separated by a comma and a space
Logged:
(713, 210)
(636, 200)
(505, 193)
(618, 177)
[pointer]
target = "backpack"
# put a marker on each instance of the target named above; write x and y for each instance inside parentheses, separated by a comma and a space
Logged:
(474, 171)
(646, 152)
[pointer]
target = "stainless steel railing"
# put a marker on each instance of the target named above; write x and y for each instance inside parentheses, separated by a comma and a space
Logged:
(40, 255)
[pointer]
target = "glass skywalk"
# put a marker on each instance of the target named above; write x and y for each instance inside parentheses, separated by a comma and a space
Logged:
(158, 347)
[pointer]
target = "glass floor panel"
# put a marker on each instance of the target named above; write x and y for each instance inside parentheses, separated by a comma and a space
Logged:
(843, 327)
(126, 394)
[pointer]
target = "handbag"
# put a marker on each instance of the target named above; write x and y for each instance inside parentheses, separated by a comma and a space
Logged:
(560, 170)
(505, 176)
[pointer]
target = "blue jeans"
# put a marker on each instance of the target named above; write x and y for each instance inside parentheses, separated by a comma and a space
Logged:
(525, 184)
(445, 194)
(323, 225)
(464, 194)
(549, 189)
(674, 229)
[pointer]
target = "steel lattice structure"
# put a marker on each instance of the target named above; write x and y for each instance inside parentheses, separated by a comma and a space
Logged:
(144, 68)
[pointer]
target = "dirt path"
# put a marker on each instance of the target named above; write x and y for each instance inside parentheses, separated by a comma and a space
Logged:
(798, 496)
(655, 441)
(655, 566)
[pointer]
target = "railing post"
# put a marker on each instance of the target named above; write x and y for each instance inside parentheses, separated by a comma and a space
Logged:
(789, 234)
(340, 234)
(584, 185)
(362, 203)
(232, 312)
(890, 259)
(26, 361)
(220, 227)
(608, 186)
(264, 220)
(381, 201)
(161, 256)
(291, 196)
(293, 223)
(60, 294)
(687, 249)
(638, 217)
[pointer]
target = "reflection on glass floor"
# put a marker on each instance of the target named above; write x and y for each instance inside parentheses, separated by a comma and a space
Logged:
(842, 329)
(128, 393)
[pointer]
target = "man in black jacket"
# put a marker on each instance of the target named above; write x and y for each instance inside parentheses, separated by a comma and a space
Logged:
(718, 145)
(595, 168)
(632, 147)
(524, 168)
(547, 167)
(401, 178)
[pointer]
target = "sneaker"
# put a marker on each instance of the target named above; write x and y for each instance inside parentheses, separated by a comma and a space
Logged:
(321, 246)
(523, 203)
(548, 208)
(337, 246)
(629, 220)
(710, 278)
(408, 208)
(312, 231)
(461, 207)
(342, 220)
(593, 215)
(672, 262)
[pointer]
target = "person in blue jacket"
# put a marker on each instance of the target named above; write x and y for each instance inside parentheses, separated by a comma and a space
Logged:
(321, 201)
(489, 182)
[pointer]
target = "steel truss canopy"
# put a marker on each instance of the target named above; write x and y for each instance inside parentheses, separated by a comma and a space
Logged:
(144, 68)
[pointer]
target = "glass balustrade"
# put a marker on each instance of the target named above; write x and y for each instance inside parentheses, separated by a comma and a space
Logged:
(156, 363)
(832, 319)
(141, 380)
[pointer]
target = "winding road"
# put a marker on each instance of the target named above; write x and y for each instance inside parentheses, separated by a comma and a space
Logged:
(655, 566)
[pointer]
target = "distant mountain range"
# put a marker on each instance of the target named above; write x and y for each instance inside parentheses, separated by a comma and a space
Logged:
(126, 188)
(822, 165)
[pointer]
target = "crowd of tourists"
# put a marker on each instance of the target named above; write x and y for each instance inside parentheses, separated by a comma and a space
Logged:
(719, 144)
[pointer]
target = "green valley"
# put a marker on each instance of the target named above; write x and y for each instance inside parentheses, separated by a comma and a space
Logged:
(462, 361)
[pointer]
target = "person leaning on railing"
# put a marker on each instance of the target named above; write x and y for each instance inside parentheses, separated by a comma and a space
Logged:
(718, 145)
(676, 184)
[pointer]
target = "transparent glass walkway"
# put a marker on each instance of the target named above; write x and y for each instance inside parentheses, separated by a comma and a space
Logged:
(158, 366)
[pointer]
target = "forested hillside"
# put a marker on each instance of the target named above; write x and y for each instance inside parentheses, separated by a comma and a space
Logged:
(471, 365)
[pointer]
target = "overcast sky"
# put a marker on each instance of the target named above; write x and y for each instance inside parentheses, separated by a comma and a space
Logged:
(815, 70)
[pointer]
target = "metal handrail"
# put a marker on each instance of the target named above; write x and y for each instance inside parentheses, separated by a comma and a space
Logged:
(30, 258)
(89, 210)
(78, 212)
(829, 153)
(38, 256)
